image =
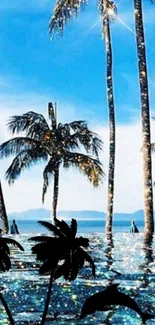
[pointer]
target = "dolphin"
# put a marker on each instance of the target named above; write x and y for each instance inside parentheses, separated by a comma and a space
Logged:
(102, 301)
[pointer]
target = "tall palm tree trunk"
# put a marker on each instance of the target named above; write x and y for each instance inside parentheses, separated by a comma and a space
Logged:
(145, 117)
(55, 193)
(110, 95)
(3, 214)
(48, 298)
(4, 303)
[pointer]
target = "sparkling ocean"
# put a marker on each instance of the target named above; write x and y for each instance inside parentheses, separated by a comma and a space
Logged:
(125, 259)
(87, 226)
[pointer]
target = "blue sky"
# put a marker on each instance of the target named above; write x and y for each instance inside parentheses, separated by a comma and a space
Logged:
(71, 71)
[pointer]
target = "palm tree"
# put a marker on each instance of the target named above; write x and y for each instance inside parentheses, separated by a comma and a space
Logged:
(55, 144)
(108, 10)
(145, 117)
(5, 265)
(3, 214)
(64, 10)
(62, 254)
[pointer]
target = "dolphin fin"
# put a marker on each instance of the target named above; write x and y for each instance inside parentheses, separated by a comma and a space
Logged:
(146, 316)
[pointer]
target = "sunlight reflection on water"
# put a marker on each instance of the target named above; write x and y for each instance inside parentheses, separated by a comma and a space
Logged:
(124, 259)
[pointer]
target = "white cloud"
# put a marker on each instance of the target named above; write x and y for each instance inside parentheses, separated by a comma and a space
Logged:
(76, 192)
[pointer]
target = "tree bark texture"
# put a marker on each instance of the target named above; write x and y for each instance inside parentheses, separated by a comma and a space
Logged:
(55, 193)
(111, 107)
(47, 298)
(145, 118)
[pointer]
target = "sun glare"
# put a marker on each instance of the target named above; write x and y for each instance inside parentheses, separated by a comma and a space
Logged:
(111, 12)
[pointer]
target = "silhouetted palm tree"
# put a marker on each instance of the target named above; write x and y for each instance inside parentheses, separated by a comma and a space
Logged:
(64, 247)
(5, 265)
(145, 117)
(3, 214)
(56, 144)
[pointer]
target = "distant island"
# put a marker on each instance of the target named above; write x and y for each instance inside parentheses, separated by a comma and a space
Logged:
(35, 214)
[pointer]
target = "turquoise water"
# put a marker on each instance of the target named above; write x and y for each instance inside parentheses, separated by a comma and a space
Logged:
(88, 226)
(125, 259)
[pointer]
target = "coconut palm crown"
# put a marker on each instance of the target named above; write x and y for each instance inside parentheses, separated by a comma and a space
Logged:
(66, 9)
(64, 247)
(61, 254)
(56, 144)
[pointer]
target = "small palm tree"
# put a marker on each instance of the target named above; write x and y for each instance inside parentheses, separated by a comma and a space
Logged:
(64, 248)
(56, 144)
(3, 214)
(5, 265)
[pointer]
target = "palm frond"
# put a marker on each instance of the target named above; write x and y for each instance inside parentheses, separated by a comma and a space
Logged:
(2, 267)
(69, 269)
(51, 228)
(37, 132)
(64, 10)
(48, 250)
(108, 9)
(77, 126)
(41, 239)
(69, 140)
(4, 246)
(13, 242)
(88, 140)
(18, 144)
(64, 228)
(47, 266)
(65, 268)
(76, 134)
(5, 260)
(74, 267)
(81, 241)
(96, 145)
(42, 251)
(61, 253)
(90, 167)
(61, 270)
(25, 159)
(88, 258)
(26, 122)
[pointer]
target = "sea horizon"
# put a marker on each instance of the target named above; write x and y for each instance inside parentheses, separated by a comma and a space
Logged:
(84, 225)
